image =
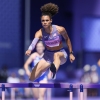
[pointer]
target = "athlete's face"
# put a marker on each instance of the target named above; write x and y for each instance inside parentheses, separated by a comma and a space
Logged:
(46, 21)
(40, 48)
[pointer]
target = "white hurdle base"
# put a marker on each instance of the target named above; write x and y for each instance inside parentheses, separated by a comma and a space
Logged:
(3, 95)
(71, 95)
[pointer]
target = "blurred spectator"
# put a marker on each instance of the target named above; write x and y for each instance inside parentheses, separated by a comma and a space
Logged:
(86, 78)
(13, 78)
(98, 69)
(21, 91)
(90, 76)
(94, 75)
(3, 74)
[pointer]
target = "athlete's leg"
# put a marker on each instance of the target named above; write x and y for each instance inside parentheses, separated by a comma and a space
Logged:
(39, 69)
(35, 93)
(42, 90)
(58, 58)
(27, 92)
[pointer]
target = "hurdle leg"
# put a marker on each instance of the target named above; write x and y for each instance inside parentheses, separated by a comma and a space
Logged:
(12, 93)
(81, 92)
(3, 92)
(71, 95)
(71, 92)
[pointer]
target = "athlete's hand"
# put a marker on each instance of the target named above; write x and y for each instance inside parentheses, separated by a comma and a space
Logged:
(28, 52)
(71, 57)
(28, 73)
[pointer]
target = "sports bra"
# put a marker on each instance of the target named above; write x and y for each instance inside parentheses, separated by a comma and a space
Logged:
(51, 40)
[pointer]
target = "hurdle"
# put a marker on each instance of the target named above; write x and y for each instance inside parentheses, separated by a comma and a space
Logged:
(69, 86)
(71, 92)
(81, 92)
(3, 92)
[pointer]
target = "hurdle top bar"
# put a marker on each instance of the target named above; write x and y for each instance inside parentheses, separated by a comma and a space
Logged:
(48, 85)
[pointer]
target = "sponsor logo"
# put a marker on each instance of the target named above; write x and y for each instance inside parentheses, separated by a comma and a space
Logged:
(36, 85)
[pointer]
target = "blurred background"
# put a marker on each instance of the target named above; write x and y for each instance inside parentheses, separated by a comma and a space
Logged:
(20, 19)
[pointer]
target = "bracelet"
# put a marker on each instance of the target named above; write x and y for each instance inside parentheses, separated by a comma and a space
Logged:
(71, 52)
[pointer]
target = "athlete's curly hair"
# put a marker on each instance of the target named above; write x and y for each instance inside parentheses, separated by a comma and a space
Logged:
(49, 9)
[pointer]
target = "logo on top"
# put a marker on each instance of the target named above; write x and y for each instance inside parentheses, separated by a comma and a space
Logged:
(53, 36)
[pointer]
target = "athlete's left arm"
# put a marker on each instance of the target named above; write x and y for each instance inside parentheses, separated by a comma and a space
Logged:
(27, 63)
(63, 32)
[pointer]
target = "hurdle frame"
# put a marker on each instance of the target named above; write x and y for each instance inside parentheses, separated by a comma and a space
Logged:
(3, 92)
(69, 86)
(49, 85)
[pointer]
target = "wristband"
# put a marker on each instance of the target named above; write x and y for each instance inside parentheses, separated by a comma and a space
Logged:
(34, 42)
(71, 52)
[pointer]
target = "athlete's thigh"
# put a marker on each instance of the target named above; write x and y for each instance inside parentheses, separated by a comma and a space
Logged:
(40, 67)
(63, 56)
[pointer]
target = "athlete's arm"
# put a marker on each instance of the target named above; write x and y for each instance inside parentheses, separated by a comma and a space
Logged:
(63, 32)
(27, 63)
(38, 36)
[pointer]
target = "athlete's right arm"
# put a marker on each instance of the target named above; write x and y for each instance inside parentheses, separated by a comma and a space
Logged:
(38, 36)
(27, 63)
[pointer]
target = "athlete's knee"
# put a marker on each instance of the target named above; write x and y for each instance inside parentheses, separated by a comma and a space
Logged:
(56, 55)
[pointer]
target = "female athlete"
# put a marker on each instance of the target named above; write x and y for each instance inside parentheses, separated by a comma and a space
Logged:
(39, 93)
(51, 36)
